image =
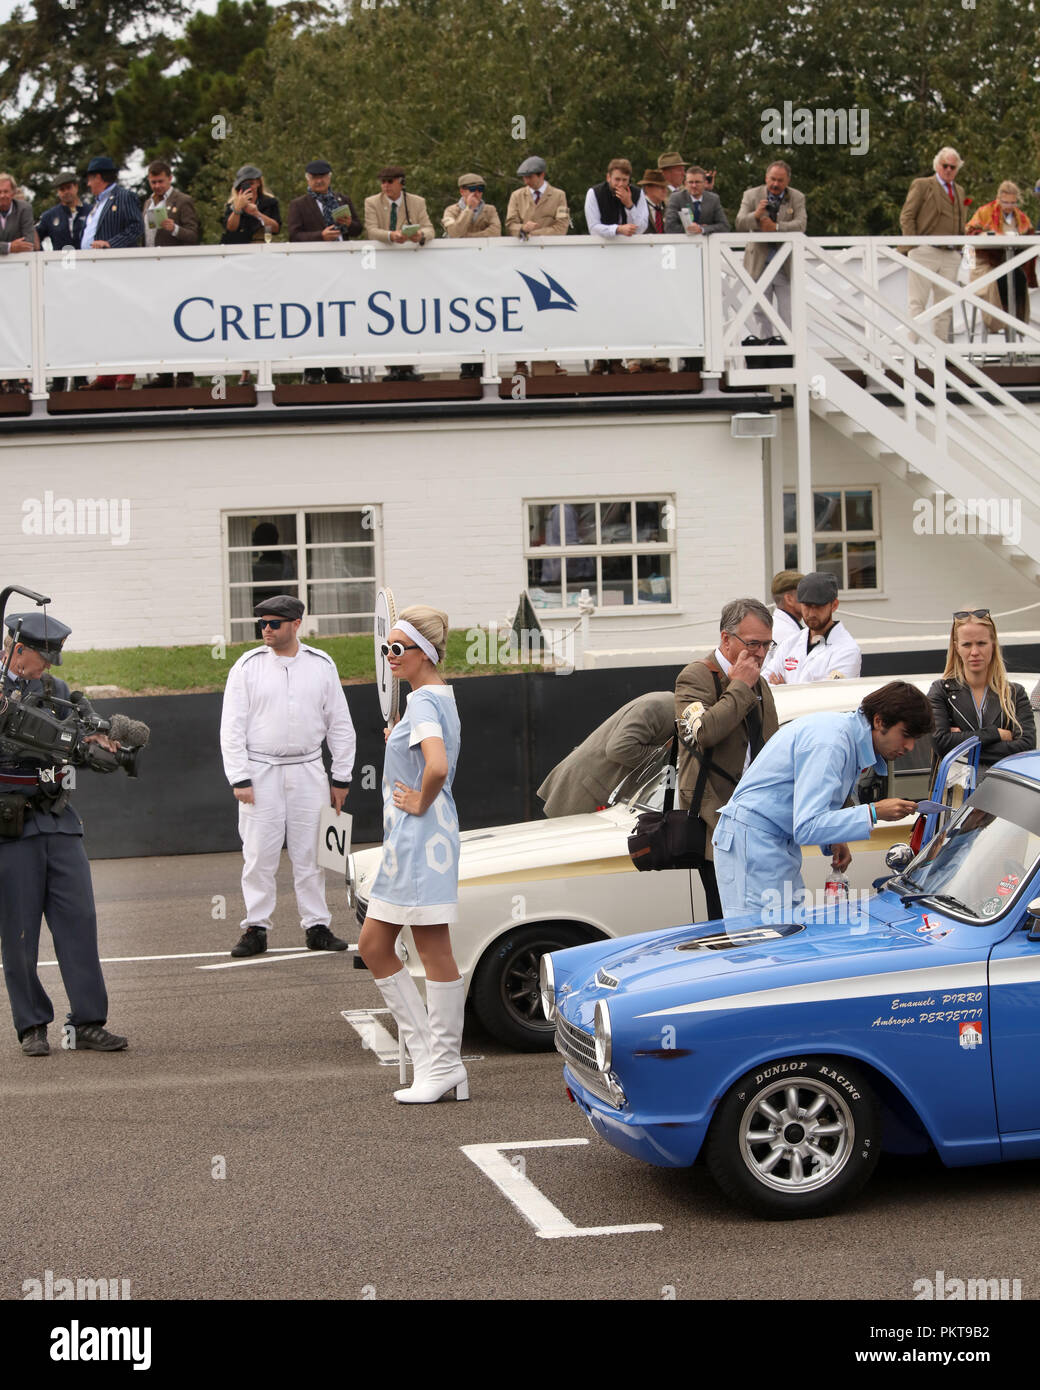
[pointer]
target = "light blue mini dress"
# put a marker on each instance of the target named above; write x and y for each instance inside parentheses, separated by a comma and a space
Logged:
(418, 879)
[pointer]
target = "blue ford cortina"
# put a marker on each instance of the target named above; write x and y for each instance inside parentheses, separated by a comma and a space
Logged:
(790, 1048)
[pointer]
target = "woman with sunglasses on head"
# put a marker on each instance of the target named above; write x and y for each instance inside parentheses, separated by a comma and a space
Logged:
(974, 695)
(417, 882)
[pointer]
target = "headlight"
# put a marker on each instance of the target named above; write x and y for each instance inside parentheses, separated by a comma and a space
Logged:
(547, 987)
(351, 889)
(602, 1036)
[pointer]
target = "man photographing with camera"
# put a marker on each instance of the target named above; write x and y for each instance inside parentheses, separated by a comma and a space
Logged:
(43, 865)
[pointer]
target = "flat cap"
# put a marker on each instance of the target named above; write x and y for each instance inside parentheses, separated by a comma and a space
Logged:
(466, 179)
(318, 166)
(40, 632)
(66, 176)
(535, 164)
(785, 581)
(818, 587)
(392, 171)
(247, 174)
(669, 159)
(101, 164)
(280, 606)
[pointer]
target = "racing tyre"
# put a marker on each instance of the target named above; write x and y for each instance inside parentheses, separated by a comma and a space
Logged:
(505, 990)
(795, 1137)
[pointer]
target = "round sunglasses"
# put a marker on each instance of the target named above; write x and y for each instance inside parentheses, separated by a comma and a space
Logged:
(397, 649)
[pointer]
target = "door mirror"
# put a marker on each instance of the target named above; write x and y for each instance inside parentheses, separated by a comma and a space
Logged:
(1033, 919)
(899, 857)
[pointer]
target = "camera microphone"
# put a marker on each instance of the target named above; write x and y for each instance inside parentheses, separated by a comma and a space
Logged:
(130, 732)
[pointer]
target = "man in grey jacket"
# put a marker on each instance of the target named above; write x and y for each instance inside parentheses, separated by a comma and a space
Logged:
(772, 207)
(587, 776)
(17, 230)
(704, 206)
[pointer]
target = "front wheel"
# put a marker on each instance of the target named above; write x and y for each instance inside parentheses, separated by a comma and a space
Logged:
(505, 991)
(796, 1137)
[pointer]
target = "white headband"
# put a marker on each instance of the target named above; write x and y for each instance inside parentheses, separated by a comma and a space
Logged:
(427, 648)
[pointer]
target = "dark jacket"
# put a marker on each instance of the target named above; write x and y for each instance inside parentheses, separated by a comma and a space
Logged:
(121, 223)
(306, 222)
(952, 705)
(249, 228)
(55, 224)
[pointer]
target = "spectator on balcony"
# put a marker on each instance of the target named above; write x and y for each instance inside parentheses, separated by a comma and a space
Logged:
(252, 212)
(538, 209)
(611, 209)
(113, 220)
(17, 233)
(787, 611)
(63, 223)
(317, 216)
(934, 207)
(114, 216)
(395, 217)
(1003, 217)
(771, 207)
(471, 216)
(673, 167)
(655, 190)
(705, 209)
(170, 220)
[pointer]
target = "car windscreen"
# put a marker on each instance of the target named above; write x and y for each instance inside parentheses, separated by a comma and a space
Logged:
(984, 858)
(643, 789)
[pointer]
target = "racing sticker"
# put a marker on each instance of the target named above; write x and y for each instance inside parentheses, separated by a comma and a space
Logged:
(991, 907)
(1007, 885)
(934, 927)
(970, 1036)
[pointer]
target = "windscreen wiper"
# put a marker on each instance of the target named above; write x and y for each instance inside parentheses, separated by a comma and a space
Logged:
(908, 898)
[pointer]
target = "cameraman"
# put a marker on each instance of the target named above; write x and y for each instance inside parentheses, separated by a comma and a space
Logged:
(772, 206)
(43, 865)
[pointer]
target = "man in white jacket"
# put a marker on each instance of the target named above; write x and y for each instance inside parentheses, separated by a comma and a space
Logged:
(824, 648)
(281, 700)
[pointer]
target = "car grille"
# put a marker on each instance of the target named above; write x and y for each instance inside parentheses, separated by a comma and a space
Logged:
(608, 981)
(578, 1049)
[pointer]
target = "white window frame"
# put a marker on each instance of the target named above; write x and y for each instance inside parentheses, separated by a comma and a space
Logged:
(844, 538)
(605, 549)
(309, 626)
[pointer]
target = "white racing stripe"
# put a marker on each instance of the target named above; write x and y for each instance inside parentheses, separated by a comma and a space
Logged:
(1015, 970)
(904, 983)
(510, 1179)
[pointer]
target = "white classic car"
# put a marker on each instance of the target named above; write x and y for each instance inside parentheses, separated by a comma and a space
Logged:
(544, 885)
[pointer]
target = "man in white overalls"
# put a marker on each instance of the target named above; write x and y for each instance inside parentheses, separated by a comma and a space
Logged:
(281, 700)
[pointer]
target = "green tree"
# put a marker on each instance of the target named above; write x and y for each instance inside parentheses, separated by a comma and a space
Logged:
(61, 64)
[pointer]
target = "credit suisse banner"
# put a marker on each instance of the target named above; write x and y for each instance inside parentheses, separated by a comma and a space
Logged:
(276, 303)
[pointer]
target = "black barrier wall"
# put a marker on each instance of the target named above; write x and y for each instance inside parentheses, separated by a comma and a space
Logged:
(515, 728)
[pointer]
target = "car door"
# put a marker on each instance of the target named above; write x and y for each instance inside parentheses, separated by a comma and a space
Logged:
(1014, 980)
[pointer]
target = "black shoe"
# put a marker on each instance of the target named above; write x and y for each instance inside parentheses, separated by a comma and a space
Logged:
(470, 371)
(402, 374)
(252, 942)
(34, 1041)
(312, 376)
(321, 939)
(184, 379)
(333, 375)
(164, 380)
(93, 1037)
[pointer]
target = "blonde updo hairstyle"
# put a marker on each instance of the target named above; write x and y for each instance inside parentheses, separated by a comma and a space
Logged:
(431, 623)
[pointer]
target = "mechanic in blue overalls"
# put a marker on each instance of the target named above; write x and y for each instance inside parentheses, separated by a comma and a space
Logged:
(796, 790)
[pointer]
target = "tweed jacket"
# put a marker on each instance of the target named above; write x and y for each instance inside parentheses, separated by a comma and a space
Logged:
(587, 776)
(377, 216)
(792, 219)
(306, 222)
(460, 222)
(721, 725)
(550, 211)
(180, 208)
(928, 210)
(713, 216)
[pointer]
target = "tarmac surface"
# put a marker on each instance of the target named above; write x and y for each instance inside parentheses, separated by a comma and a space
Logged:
(247, 1146)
